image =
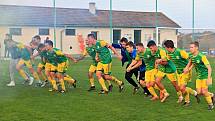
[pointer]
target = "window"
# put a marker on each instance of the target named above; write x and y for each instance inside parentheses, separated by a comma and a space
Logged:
(15, 31)
(137, 36)
(43, 31)
(116, 36)
(95, 34)
(70, 32)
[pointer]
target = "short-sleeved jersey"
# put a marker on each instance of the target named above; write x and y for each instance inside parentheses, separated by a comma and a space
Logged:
(103, 52)
(91, 51)
(148, 58)
(60, 56)
(161, 54)
(24, 53)
(43, 56)
(179, 58)
(200, 63)
(55, 57)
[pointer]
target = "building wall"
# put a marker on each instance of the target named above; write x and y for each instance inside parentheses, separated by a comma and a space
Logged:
(67, 41)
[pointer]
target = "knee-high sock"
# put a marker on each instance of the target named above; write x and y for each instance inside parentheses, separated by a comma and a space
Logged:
(54, 85)
(102, 83)
(91, 82)
(116, 80)
(36, 76)
(69, 79)
(208, 98)
(23, 74)
(62, 84)
(152, 91)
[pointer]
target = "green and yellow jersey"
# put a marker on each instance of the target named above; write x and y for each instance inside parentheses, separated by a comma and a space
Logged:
(200, 63)
(43, 56)
(180, 58)
(103, 52)
(24, 52)
(161, 54)
(91, 51)
(148, 58)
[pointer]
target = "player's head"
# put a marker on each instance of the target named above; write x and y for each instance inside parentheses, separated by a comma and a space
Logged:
(8, 36)
(169, 45)
(194, 47)
(91, 38)
(152, 46)
(129, 46)
(123, 42)
(41, 47)
(36, 39)
(49, 45)
(139, 47)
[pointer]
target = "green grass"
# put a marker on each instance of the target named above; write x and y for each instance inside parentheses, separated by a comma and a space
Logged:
(37, 104)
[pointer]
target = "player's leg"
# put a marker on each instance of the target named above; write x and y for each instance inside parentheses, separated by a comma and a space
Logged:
(99, 70)
(143, 83)
(61, 68)
(172, 77)
(50, 73)
(91, 72)
(128, 77)
(34, 73)
(19, 68)
(150, 81)
(159, 77)
(108, 76)
(70, 80)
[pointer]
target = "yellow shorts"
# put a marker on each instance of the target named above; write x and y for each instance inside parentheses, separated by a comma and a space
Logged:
(62, 67)
(92, 69)
(172, 76)
(50, 67)
(105, 68)
(150, 75)
(24, 62)
(183, 79)
(201, 84)
(41, 65)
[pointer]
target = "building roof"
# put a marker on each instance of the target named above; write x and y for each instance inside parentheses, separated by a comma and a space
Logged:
(13, 15)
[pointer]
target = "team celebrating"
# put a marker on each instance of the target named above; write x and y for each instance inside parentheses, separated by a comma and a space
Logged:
(150, 65)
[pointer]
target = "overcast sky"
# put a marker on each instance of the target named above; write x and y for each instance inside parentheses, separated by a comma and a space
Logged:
(178, 10)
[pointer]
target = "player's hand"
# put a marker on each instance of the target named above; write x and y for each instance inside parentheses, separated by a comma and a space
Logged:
(119, 57)
(75, 61)
(185, 71)
(128, 69)
(97, 59)
(158, 61)
(32, 57)
(209, 81)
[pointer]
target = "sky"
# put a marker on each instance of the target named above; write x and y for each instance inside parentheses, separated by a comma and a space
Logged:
(178, 10)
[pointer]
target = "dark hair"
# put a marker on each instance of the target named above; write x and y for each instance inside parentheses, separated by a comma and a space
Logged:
(91, 35)
(124, 40)
(169, 44)
(195, 43)
(41, 45)
(9, 35)
(151, 43)
(37, 37)
(140, 44)
(49, 42)
(130, 44)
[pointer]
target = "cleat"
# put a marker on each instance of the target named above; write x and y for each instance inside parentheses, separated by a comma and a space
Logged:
(210, 107)
(91, 88)
(154, 98)
(110, 88)
(31, 80)
(121, 87)
(135, 90)
(103, 92)
(180, 99)
(166, 95)
(161, 95)
(74, 84)
(44, 83)
(62, 91)
(213, 98)
(52, 90)
(186, 104)
(11, 84)
(197, 98)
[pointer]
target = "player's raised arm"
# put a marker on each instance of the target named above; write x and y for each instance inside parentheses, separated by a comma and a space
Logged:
(114, 51)
(71, 57)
